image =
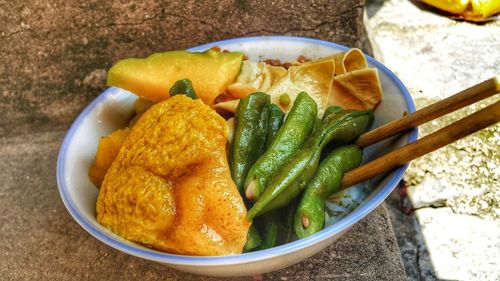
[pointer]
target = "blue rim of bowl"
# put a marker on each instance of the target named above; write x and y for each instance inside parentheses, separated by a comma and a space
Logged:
(174, 259)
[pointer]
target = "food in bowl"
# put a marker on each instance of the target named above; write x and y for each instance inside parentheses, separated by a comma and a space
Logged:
(168, 183)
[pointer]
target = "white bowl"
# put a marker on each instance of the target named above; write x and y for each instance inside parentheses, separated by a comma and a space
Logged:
(113, 108)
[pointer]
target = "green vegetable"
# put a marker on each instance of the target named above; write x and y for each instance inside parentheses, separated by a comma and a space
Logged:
(330, 110)
(250, 119)
(310, 214)
(288, 140)
(285, 99)
(270, 221)
(253, 239)
(183, 87)
(269, 229)
(292, 177)
(276, 117)
(289, 216)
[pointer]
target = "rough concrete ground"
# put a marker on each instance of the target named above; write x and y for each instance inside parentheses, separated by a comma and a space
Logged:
(455, 189)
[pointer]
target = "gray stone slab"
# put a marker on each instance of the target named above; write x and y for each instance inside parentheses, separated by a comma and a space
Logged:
(461, 247)
(436, 57)
(55, 53)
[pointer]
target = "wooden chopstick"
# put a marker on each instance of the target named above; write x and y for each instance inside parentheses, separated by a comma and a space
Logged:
(468, 125)
(466, 97)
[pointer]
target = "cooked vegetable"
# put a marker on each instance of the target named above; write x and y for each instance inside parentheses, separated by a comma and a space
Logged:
(289, 215)
(358, 89)
(269, 225)
(251, 122)
(289, 180)
(270, 221)
(314, 78)
(310, 215)
(290, 137)
(284, 100)
(351, 60)
(152, 77)
(183, 87)
(255, 77)
(329, 110)
(253, 239)
(276, 118)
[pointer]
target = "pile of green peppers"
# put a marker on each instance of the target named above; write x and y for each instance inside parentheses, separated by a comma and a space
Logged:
(285, 169)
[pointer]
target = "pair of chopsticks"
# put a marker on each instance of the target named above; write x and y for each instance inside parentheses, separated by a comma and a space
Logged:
(464, 127)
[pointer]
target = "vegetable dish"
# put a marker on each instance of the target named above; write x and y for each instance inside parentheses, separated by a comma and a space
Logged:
(226, 155)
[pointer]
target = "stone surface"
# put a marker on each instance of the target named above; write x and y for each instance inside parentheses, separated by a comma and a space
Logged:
(54, 60)
(436, 57)
(461, 247)
(414, 252)
(55, 53)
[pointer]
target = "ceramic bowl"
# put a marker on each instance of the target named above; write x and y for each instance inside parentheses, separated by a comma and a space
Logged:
(113, 108)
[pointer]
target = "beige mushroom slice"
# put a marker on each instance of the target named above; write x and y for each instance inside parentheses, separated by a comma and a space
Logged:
(255, 77)
(349, 61)
(314, 78)
(359, 89)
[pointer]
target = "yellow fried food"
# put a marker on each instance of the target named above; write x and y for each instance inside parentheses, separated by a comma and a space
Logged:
(107, 150)
(170, 186)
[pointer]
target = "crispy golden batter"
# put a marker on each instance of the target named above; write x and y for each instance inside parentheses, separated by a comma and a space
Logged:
(170, 186)
(107, 150)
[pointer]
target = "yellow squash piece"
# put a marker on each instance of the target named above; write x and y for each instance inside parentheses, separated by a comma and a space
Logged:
(107, 150)
(170, 187)
(151, 78)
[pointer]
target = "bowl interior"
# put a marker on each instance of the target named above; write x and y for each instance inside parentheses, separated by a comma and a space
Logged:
(113, 108)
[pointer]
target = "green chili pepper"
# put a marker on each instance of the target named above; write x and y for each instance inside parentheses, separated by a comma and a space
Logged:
(292, 177)
(354, 124)
(253, 239)
(269, 229)
(310, 214)
(274, 123)
(330, 110)
(289, 218)
(183, 87)
(288, 140)
(250, 119)
(270, 221)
